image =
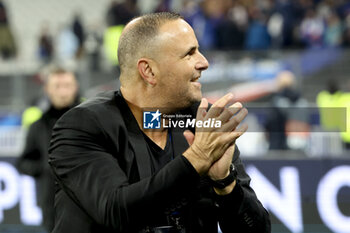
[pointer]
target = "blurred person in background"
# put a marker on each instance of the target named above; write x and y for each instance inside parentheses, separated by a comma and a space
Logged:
(121, 12)
(274, 27)
(292, 14)
(334, 30)
(45, 45)
(334, 109)
(286, 117)
(312, 29)
(204, 17)
(67, 45)
(61, 88)
(163, 5)
(118, 14)
(327, 100)
(92, 46)
(346, 32)
(79, 32)
(257, 36)
(8, 47)
(231, 31)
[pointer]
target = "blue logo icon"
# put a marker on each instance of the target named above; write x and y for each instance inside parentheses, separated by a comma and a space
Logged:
(151, 120)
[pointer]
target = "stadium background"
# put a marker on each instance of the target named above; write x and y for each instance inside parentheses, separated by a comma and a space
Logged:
(306, 188)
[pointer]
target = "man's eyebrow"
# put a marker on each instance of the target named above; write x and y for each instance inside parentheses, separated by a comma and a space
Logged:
(191, 49)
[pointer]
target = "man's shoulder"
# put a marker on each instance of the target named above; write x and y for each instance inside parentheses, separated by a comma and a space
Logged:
(99, 105)
(101, 108)
(100, 101)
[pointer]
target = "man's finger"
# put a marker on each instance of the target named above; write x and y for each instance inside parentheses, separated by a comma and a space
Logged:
(243, 128)
(229, 112)
(234, 135)
(234, 121)
(202, 109)
(219, 105)
(189, 137)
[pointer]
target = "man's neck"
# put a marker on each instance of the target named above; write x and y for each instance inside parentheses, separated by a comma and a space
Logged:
(158, 136)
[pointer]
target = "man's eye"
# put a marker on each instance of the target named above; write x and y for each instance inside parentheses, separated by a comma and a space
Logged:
(191, 52)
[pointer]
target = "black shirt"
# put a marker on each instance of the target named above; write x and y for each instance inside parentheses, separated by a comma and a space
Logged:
(159, 156)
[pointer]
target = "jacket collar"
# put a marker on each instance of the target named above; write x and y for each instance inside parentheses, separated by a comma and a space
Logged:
(138, 143)
(135, 138)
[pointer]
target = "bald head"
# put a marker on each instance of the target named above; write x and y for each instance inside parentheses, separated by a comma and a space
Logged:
(138, 38)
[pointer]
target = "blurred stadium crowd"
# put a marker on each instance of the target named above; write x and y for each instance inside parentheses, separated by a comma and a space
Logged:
(219, 25)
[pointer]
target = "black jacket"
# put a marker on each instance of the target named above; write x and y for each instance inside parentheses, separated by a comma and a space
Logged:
(104, 182)
(34, 161)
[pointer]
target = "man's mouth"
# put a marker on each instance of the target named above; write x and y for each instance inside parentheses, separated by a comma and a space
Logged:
(195, 79)
(195, 83)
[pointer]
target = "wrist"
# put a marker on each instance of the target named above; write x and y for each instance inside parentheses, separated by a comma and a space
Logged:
(215, 178)
(200, 165)
(228, 180)
(227, 190)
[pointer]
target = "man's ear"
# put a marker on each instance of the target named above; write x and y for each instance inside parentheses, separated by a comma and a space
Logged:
(146, 70)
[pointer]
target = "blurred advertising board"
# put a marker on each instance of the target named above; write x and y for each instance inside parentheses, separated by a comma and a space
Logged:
(302, 195)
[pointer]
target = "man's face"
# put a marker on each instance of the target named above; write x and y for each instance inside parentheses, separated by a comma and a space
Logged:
(61, 89)
(180, 65)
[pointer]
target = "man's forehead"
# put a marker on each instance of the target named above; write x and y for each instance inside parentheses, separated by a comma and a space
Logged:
(175, 27)
(178, 31)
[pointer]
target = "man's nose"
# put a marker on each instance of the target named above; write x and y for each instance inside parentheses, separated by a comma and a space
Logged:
(202, 63)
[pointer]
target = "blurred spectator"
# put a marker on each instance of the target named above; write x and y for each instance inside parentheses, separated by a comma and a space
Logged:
(312, 29)
(334, 108)
(257, 35)
(342, 7)
(7, 42)
(110, 42)
(334, 30)
(62, 90)
(45, 49)
(346, 33)
(118, 15)
(231, 31)
(67, 45)
(93, 46)
(79, 32)
(239, 15)
(205, 18)
(291, 13)
(274, 27)
(40, 102)
(327, 102)
(287, 118)
(163, 6)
